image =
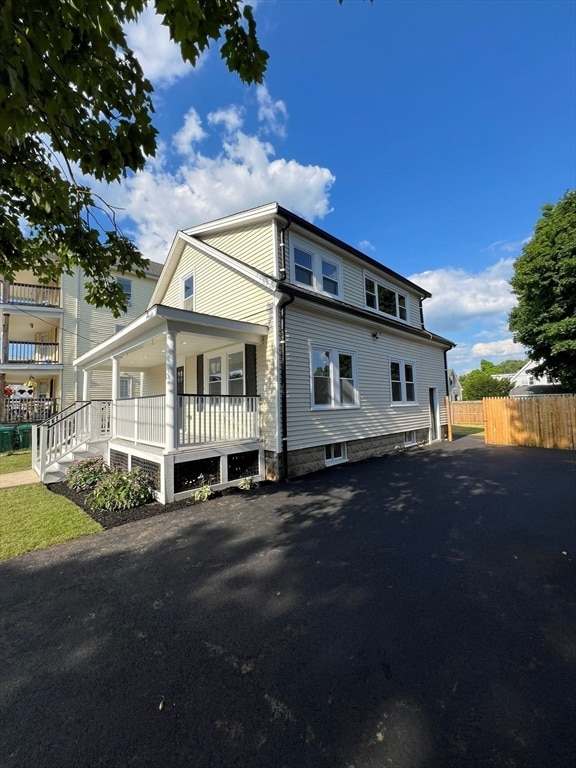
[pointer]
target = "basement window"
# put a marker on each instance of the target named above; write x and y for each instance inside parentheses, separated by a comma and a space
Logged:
(335, 453)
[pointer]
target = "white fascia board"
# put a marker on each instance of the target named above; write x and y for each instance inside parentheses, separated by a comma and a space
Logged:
(169, 268)
(227, 222)
(265, 281)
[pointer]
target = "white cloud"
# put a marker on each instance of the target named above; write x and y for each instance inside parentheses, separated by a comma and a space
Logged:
(272, 114)
(366, 245)
(502, 348)
(190, 132)
(459, 298)
(159, 56)
(232, 118)
(507, 246)
(183, 187)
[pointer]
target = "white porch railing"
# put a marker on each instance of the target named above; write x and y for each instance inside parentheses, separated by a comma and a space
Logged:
(67, 431)
(217, 418)
(202, 419)
(140, 420)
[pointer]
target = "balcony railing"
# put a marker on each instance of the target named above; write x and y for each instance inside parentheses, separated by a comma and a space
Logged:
(31, 352)
(31, 295)
(202, 419)
(33, 409)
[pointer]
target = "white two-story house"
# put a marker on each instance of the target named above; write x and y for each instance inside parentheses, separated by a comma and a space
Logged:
(269, 349)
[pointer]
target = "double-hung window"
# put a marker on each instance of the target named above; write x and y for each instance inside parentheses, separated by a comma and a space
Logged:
(126, 285)
(384, 299)
(334, 378)
(403, 381)
(315, 269)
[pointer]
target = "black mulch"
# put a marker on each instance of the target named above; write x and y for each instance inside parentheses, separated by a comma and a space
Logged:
(121, 517)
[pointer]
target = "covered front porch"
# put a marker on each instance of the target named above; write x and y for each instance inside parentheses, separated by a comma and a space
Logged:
(183, 403)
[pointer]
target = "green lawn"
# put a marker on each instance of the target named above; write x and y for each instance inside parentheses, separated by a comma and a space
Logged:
(31, 517)
(467, 429)
(15, 461)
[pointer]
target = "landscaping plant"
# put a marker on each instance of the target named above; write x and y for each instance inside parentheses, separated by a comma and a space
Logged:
(86, 474)
(121, 490)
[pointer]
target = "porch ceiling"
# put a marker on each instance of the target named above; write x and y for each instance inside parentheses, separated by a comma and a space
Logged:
(141, 344)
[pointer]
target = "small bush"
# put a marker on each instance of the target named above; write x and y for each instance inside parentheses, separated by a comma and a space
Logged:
(121, 490)
(247, 484)
(203, 493)
(87, 473)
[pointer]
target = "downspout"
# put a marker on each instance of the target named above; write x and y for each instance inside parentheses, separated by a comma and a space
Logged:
(282, 323)
(283, 396)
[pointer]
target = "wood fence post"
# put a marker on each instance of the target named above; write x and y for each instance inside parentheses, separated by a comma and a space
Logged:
(449, 417)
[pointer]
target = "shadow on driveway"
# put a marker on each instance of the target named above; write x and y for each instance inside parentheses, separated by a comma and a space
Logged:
(413, 611)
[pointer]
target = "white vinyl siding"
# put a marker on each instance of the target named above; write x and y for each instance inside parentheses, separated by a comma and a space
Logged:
(253, 244)
(87, 326)
(219, 289)
(376, 414)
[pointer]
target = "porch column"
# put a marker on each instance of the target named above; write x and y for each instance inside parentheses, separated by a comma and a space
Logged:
(85, 384)
(171, 415)
(115, 379)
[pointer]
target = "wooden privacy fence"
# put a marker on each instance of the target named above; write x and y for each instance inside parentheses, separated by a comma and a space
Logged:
(467, 412)
(539, 421)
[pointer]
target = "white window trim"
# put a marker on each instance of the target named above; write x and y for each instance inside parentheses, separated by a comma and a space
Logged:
(403, 403)
(182, 291)
(335, 404)
(126, 284)
(390, 287)
(411, 440)
(318, 256)
(341, 459)
(224, 372)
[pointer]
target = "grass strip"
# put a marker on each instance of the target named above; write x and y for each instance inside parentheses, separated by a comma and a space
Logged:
(15, 461)
(31, 517)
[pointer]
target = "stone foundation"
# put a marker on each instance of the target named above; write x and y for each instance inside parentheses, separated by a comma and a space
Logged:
(306, 460)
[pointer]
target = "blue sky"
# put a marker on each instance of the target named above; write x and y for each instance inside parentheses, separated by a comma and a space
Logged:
(428, 134)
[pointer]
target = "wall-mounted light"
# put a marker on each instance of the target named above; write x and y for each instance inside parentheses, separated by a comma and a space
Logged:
(375, 335)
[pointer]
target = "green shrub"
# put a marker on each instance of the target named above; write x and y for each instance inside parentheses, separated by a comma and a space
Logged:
(247, 484)
(203, 493)
(121, 490)
(86, 474)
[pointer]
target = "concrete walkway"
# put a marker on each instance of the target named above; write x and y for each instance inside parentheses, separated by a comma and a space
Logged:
(25, 477)
(410, 612)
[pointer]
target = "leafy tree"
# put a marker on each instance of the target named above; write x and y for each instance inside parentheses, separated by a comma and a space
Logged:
(478, 384)
(509, 366)
(73, 96)
(487, 366)
(545, 283)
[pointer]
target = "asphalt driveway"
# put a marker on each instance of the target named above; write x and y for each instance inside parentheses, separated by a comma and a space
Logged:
(417, 611)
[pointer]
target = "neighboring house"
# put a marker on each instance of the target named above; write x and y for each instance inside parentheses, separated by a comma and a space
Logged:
(525, 382)
(44, 328)
(454, 386)
(269, 349)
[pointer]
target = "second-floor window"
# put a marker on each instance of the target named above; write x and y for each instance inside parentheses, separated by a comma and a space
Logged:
(385, 299)
(127, 286)
(317, 270)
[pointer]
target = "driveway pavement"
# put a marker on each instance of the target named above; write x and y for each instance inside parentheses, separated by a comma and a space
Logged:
(417, 611)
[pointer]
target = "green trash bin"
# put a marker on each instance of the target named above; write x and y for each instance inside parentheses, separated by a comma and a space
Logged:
(7, 436)
(24, 433)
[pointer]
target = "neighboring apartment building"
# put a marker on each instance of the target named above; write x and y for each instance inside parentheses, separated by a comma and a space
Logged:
(45, 327)
(270, 349)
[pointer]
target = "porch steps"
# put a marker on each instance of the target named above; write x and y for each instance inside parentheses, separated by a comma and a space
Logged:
(59, 471)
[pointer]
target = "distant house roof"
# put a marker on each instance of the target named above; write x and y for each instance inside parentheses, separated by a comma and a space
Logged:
(527, 390)
(154, 269)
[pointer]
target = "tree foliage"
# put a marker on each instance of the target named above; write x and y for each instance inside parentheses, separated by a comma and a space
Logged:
(545, 283)
(505, 366)
(478, 384)
(74, 103)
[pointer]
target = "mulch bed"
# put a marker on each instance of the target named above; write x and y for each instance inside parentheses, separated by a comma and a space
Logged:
(121, 517)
